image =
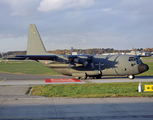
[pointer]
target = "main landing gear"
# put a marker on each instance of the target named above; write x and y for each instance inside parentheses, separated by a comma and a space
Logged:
(87, 77)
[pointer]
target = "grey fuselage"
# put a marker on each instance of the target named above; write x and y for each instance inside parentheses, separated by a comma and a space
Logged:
(106, 65)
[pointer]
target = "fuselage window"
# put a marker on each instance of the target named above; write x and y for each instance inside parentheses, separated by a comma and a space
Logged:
(137, 59)
(132, 64)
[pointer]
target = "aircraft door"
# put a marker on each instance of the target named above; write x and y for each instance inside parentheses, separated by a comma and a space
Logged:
(133, 67)
(134, 64)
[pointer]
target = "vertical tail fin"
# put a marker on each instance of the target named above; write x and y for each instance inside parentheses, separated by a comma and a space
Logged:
(35, 45)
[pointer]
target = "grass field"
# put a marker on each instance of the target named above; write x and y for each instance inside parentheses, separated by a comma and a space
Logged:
(92, 90)
(25, 67)
(147, 58)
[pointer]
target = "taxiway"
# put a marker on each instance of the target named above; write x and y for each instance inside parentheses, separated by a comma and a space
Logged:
(14, 104)
(17, 79)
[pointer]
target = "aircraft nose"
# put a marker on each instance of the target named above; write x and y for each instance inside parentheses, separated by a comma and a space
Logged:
(142, 68)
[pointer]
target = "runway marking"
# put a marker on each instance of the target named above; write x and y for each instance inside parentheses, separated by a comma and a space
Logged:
(2, 80)
(62, 80)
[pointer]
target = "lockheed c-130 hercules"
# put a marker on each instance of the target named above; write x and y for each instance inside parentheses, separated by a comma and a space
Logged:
(81, 66)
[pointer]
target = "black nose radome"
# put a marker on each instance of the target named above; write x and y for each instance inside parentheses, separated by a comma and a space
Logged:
(142, 68)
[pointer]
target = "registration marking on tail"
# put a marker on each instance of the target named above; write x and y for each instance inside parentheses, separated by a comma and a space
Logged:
(62, 80)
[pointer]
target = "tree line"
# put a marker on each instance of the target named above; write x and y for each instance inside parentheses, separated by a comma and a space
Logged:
(98, 51)
(13, 53)
(82, 51)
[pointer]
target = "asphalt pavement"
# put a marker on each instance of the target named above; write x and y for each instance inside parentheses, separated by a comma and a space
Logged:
(14, 104)
(77, 108)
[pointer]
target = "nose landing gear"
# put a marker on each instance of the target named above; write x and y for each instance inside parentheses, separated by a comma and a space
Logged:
(131, 77)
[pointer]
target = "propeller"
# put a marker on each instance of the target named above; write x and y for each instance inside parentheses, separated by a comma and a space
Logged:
(89, 61)
(92, 65)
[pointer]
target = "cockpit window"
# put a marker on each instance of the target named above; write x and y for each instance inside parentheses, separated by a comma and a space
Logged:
(131, 59)
(137, 59)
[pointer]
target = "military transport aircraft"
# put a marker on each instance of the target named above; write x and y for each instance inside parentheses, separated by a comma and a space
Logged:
(81, 66)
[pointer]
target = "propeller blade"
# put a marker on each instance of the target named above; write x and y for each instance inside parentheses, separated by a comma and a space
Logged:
(69, 65)
(85, 63)
(73, 63)
(92, 65)
(76, 60)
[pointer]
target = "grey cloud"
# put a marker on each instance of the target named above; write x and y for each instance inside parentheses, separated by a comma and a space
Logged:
(117, 24)
(46, 5)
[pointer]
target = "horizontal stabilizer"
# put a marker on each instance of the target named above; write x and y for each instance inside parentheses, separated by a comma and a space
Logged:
(31, 57)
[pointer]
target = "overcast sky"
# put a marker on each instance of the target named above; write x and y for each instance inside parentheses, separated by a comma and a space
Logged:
(62, 24)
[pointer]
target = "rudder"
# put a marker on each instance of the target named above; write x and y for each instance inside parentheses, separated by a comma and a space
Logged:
(35, 45)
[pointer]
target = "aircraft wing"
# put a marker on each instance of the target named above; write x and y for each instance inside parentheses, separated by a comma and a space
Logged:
(43, 57)
(77, 56)
(72, 59)
(31, 57)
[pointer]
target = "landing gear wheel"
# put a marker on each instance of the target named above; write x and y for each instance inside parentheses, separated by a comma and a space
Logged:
(98, 76)
(84, 78)
(77, 77)
(91, 77)
(131, 77)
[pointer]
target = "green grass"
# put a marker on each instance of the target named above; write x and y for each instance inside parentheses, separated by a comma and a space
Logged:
(147, 58)
(25, 67)
(100, 90)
